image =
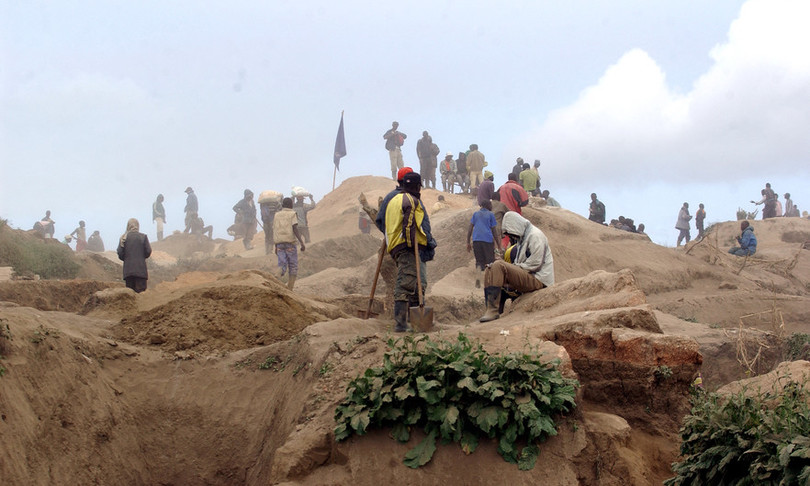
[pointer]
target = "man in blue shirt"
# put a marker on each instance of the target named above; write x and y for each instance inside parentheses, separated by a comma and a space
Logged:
(482, 238)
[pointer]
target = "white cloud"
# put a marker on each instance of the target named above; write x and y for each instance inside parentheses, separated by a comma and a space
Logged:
(747, 113)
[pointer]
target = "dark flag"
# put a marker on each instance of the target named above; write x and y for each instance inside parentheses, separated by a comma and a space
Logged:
(340, 144)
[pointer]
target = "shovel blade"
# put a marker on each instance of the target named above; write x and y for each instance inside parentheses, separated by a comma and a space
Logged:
(364, 314)
(421, 318)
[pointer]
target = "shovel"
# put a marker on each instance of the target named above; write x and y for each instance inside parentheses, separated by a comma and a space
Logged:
(421, 317)
(367, 313)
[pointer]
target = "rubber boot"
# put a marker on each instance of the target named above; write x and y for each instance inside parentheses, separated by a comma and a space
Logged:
(401, 315)
(160, 235)
(291, 282)
(492, 296)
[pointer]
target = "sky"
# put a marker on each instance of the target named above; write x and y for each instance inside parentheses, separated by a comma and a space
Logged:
(105, 104)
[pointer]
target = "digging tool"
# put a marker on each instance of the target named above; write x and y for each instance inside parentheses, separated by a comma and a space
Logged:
(421, 317)
(367, 313)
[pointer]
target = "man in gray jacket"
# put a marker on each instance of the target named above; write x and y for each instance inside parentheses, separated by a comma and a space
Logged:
(683, 224)
(531, 267)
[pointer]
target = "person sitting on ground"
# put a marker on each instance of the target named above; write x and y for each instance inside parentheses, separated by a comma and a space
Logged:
(640, 231)
(447, 168)
(550, 201)
(440, 205)
(747, 241)
(199, 228)
(531, 267)
(482, 238)
(95, 243)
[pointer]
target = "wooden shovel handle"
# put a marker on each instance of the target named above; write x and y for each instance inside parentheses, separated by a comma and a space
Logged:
(418, 273)
(376, 276)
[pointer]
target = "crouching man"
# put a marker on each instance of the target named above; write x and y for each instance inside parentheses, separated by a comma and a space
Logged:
(531, 266)
(747, 241)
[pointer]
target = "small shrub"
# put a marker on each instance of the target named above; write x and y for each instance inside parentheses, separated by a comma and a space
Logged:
(662, 373)
(456, 391)
(32, 256)
(761, 439)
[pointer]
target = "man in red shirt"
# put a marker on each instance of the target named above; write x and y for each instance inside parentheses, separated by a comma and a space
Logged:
(513, 194)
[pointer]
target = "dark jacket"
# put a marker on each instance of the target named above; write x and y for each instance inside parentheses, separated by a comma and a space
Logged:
(134, 251)
(393, 139)
(191, 203)
(748, 241)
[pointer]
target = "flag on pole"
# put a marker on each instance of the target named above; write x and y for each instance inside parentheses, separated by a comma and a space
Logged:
(340, 144)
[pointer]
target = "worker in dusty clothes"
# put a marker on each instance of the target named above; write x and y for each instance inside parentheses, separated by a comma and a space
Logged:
(388, 269)
(531, 265)
(245, 211)
(285, 233)
(301, 209)
(404, 220)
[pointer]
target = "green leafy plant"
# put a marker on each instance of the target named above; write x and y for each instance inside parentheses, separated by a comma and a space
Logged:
(268, 363)
(746, 439)
(662, 373)
(456, 391)
(42, 332)
(325, 369)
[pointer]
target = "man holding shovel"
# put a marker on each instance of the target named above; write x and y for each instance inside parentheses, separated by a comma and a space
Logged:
(407, 232)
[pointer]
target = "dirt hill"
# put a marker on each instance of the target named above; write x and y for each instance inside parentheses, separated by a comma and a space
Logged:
(218, 374)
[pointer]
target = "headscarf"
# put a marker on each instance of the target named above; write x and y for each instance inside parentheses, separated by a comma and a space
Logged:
(132, 225)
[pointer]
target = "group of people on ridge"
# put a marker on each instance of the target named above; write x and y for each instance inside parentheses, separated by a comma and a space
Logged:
(466, 171)
(404, 221)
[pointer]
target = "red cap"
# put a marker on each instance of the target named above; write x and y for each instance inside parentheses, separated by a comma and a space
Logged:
(402, 172)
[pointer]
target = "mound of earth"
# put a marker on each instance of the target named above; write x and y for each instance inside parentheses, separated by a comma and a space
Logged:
(52, 295)
(237, 311)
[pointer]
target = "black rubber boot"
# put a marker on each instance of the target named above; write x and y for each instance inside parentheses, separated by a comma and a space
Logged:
(401, 315)
(492, 296)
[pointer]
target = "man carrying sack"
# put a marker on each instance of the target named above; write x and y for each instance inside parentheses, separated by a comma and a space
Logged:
(406, 224)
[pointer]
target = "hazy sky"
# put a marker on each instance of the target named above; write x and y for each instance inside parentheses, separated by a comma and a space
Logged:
(105, 104)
